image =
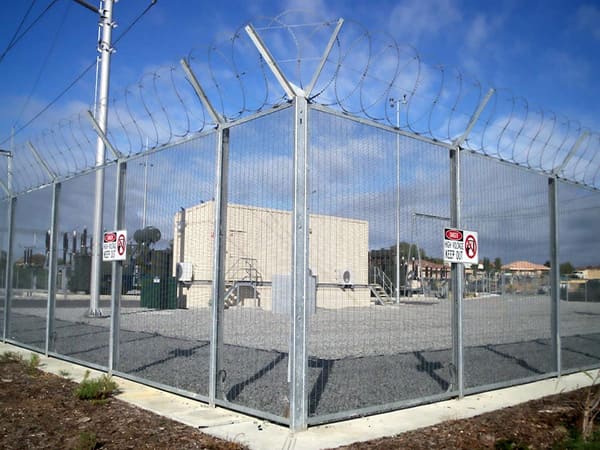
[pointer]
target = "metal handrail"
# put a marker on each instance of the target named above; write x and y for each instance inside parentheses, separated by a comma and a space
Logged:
(383, 280)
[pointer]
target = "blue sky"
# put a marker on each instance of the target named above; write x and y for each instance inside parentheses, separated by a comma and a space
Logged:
(545, 51)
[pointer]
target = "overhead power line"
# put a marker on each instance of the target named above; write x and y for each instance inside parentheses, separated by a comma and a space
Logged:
(80, 76)
(43, 66)
(12, 39)
(15, 40)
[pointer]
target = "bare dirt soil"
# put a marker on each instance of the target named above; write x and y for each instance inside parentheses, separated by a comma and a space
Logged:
(547, 423)
(40, 410)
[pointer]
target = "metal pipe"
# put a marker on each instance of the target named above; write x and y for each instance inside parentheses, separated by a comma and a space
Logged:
(9, 266)
(397, 104)
(326, 53)
(457, 271)
(290, 91)
(191, 77)
(219, 249)
(87, 6)
(105, 49)
(554, 272)
(298, 351)
(145, 192)
(9, 155)
(52, 269)
(117, 273)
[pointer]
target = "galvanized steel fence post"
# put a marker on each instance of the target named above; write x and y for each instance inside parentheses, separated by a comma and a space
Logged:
(52, 268)
(554, 273)
(117, 272)
(458, 270)
(457, 274)
(220, 236)
(298, 359)
(9, 266)
(220, 242)
(298, 351)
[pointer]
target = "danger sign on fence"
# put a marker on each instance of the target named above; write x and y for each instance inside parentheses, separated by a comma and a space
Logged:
(114, 245)
(460, 246)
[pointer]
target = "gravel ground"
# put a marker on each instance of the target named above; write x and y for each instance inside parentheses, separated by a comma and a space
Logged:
(358, 357)
(418, 324)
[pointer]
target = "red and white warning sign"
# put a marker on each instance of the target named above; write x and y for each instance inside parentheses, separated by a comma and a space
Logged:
(461, 246)
(114, 245)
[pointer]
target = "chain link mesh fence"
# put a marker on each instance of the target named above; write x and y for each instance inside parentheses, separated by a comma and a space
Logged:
(163, 336)
(27, 320)
(507, 305)
(75, 333)
(373, 342)
(378, 295)
(257, 270)
(226, 297)
(579, 288)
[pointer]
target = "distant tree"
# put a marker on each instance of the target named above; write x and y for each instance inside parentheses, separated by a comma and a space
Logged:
(498, 264)
(566, 268)
(487, 265)
(38, 260)
(407, 249)
(547, 264)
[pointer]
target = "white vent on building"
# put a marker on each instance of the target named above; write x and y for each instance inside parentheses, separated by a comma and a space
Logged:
(184, 271)
(345, 277)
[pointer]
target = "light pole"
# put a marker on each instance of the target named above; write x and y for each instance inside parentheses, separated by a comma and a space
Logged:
(395, 102)
(9, 156)
(8, 273)
(145, 164)
(101, 115)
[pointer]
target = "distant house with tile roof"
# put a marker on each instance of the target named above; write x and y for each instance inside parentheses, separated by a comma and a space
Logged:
(525, 268)
(588, 273)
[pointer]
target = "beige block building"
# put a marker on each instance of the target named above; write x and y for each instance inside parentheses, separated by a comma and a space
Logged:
(588, 273)
(259, 250)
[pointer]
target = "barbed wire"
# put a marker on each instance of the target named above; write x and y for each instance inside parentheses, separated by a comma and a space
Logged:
(361, 73)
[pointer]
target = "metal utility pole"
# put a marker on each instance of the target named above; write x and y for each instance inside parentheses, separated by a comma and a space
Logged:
(8, 186)
(145, 205)
(101, 115)
(458, 269)
(395, 102)
(8, 274)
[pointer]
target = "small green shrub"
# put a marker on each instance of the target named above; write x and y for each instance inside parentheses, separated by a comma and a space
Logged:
(87, 441)
(33, 364)
(96, 388)
(509, 444)
(590, 407)
(9, 356)
(575, 441)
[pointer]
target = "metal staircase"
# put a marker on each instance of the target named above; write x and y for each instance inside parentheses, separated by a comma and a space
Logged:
(242, 280)
(382, 288)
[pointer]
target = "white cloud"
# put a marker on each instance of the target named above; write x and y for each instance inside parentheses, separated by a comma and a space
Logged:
(587, 19)
(415, 19)
(569, 68)
(478, 32)
(479, 44)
